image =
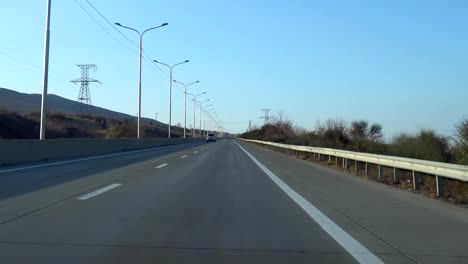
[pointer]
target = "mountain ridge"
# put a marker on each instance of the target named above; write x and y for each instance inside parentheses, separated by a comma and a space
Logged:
(24, 103)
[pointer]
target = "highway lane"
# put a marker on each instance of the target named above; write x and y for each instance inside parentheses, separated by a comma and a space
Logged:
(424, 229)
(15, 180)
(27, 189)
(211, 204)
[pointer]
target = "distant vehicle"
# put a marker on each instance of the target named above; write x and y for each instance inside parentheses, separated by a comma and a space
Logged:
(210, 137)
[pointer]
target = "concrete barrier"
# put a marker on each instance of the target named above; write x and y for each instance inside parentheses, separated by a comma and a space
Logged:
(26, 151)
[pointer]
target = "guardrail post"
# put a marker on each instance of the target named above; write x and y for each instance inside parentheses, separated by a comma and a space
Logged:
(381, 172)
(439, 185)
(365, 172)
(319, 157)
(329, 159)
(346, 165)
(416, 180)
(396, 175)
(356, 166)
(336, 161)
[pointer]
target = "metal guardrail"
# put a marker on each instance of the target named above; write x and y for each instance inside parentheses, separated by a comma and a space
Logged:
(439, 169)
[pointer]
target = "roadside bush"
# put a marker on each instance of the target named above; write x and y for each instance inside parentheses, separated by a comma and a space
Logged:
(123, 130)
(426, 145)
(115, 132)
(461, 148)
(362, 137)
(334, 133)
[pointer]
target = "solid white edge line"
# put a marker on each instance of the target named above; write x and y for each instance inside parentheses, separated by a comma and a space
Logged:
(98, 192)
(91, 158)
(161, 166)
(351, 245)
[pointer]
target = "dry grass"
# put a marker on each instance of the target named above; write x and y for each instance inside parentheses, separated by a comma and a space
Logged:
(456, 191)
(60, 125)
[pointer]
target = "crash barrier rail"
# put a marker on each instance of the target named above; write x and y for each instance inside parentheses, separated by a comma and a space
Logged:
(439, 169)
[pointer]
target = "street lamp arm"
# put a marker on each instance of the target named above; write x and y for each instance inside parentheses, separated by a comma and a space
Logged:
(180, 83)
(180, 63)
(120, 25)
(162, 64)
(192, 83)
(162, 25)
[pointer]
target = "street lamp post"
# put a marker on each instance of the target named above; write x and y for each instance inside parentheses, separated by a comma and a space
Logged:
(194, 110)
(204, 121)
(170, 92)
(185, 108)
(45, 79)
(208, 118)
(201, 115)
(139, 68)
(210, 128)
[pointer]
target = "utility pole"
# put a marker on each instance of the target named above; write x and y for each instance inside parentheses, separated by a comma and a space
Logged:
(45, 79)
(84, 96)
(250, 126)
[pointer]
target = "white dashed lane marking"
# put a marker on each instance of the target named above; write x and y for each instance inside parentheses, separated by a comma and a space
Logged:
(161, 166)
(98, 192)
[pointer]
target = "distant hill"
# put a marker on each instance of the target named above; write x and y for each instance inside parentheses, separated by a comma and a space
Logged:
(23, 103)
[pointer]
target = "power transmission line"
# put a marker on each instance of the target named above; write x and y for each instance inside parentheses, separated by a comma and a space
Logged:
(125, 36)
(110, 23)
(28, 64)
(105, 30)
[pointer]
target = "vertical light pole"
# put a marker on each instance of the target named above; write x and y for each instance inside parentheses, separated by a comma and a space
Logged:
(204, 120)
(194, 110)
(185, 108)
(210, 128)
(170, 92)
(208, 117)
(201, 102)
(45, 79)
(139, 67)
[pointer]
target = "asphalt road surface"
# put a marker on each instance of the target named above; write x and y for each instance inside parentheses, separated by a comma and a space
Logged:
(223, 202)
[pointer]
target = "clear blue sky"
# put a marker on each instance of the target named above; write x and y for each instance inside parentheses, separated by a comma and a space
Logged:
(401, 63)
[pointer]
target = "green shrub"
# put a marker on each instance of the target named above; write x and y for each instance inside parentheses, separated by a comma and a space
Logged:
(426, 145)
(461, 148)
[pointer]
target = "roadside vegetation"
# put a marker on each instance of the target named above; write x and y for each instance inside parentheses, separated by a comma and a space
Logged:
(60, 125)
(362, 136)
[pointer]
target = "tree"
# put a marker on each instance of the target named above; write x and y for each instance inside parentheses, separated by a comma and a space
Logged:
(426, 145)
(334, 133)
(375, 132)
(461, 148)
(359, 129)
